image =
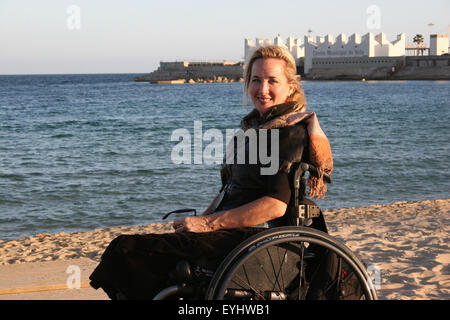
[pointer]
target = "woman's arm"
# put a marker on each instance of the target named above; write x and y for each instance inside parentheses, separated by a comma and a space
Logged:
(247, 215)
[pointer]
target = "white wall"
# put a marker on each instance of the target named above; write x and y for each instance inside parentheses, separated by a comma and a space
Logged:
(355, 46)
(294, 46)
(438, 44)
(326, 47)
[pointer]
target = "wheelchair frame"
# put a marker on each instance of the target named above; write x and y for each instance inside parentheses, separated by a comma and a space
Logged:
(273, 264)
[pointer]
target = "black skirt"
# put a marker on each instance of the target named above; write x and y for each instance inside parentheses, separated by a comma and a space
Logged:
(139, 266)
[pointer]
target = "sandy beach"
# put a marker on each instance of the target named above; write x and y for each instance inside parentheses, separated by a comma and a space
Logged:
(406, 242)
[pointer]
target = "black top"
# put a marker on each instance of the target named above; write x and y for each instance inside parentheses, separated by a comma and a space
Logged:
(244, 183)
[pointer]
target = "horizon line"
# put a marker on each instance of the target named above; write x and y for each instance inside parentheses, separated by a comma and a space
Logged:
(67, 74)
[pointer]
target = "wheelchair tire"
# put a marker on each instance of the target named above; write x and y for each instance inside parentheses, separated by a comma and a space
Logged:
(288, 263)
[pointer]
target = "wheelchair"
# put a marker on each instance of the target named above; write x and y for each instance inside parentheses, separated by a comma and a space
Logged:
(291, 262)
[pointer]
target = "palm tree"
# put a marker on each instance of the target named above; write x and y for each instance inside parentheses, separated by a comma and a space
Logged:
(418, 38)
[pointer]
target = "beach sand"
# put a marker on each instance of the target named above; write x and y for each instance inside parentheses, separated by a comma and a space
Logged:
(406, 244)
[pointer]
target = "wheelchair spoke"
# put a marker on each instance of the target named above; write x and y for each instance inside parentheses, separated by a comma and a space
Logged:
(302, 255)
(261, 265)
(283, 259)
(246, 275)
(246, 283)
(274, 272)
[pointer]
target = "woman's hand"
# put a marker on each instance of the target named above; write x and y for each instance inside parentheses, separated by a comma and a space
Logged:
(192, 224)
(247, 215)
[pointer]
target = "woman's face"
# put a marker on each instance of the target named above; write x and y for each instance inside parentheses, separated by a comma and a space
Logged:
(269, 85)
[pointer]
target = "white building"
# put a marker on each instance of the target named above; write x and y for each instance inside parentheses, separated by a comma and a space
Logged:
(368, 45)
(293, 45)
(354, 46)
(438, 44)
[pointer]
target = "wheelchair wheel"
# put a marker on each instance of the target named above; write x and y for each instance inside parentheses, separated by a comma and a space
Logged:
(291, 263)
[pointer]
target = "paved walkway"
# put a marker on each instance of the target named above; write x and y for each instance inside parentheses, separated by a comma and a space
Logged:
(49, 281)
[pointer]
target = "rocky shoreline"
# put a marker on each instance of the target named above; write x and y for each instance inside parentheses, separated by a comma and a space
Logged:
(190, 80)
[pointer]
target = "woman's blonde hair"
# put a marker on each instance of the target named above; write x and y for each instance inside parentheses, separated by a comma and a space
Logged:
(276, 52)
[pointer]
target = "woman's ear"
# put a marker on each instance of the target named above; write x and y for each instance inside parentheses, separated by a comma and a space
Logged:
(291, 88)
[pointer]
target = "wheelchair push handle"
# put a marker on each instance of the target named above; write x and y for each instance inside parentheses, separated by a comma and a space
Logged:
(315, 172)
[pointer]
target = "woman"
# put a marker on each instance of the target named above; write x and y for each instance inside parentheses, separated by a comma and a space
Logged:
(136, 266)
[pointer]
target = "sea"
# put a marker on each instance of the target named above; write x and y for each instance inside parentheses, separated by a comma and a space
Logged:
(81, 152)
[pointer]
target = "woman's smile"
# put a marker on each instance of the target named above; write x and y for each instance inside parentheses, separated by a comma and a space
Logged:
(264, 100)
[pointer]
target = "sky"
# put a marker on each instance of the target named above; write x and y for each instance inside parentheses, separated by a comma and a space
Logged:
(133, 36)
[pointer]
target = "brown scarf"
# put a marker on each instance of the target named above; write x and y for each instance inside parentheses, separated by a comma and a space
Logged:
(319, 147)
